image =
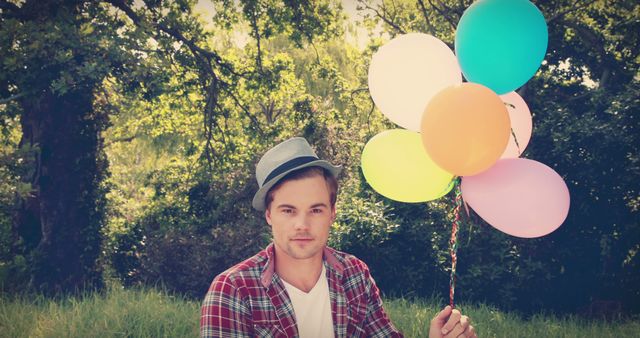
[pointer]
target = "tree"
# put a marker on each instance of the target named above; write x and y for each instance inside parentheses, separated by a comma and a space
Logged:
(204, 215)
(56, 58)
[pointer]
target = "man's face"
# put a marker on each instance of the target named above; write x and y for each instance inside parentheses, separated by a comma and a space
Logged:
(300, 216)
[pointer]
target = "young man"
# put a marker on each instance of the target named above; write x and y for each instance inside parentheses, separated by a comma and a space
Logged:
(298, 286)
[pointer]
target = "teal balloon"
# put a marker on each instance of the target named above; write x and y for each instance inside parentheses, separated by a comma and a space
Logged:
(501, 43)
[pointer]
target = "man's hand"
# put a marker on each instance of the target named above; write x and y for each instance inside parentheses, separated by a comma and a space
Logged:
(450, 324)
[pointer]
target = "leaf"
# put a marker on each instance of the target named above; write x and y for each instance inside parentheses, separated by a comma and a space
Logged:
(86, 28)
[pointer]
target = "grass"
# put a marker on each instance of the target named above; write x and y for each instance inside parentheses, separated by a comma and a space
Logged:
(153, 313)
(118, 313)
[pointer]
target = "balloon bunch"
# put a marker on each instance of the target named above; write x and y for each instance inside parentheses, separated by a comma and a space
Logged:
(474, 130)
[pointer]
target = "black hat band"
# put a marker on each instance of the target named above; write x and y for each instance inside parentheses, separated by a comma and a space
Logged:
(298, 161)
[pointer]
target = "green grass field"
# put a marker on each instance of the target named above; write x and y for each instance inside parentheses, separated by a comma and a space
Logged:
(152, 313)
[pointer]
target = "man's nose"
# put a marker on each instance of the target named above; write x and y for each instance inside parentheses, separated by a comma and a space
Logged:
(302, 222)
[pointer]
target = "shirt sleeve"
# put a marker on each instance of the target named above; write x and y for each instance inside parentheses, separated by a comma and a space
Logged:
(223, 312)
(377, 322)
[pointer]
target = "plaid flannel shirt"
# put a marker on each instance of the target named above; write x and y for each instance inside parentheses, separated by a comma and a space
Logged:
(249, 300)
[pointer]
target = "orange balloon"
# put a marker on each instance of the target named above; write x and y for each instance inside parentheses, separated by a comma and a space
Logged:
(465, 128)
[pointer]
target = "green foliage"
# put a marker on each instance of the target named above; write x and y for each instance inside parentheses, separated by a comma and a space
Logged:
(300, 21)
(191, 231)
(175, 211)
(405, 16)
(143, 72)
(57, 53)
(415, 249)
(10, 170)
(361, 222)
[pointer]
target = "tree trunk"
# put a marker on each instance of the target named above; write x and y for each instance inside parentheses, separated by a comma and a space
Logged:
(59, 224)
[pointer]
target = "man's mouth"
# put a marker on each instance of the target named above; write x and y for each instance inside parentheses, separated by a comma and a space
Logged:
(302, 239)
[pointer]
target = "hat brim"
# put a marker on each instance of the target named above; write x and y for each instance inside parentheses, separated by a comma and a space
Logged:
(258, 202)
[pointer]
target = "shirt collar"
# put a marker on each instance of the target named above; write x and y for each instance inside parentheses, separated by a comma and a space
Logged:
(266, 277)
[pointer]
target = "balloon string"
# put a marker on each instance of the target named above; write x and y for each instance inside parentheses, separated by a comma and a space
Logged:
(515, 138)
(453, 242)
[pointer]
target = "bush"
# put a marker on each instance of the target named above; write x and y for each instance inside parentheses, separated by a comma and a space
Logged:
(187, 237)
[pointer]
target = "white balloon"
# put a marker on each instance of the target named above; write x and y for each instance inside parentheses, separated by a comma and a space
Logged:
(407, 72)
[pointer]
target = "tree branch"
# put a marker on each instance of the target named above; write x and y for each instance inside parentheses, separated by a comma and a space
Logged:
(373, 106)
(384, 18)
(570, 9)
(256, 32)
(13, 97)
(121, 139)
(432, 30)
(444, 14)
(246, 111)
(139, 21)
(211, 83)
(316, 50)
(593, 41)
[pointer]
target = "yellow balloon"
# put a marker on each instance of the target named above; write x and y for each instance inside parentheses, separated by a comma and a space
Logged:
(447, 189)
(396, 165)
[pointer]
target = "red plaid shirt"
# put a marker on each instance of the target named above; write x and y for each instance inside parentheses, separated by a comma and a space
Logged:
(249, 300)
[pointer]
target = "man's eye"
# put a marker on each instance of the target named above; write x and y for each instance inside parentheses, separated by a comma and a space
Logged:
(287, 211)
(316, 211)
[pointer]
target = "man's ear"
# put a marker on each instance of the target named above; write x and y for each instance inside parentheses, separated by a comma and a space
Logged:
(267, 216)
(333, 214)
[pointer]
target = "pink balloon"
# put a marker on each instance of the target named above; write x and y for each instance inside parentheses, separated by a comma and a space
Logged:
(521, 124)
(518, 196)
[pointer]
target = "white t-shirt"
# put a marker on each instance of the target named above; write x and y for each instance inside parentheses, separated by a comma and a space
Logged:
(313, 309)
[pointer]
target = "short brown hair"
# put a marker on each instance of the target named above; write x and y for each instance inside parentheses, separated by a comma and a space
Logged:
(332, 182)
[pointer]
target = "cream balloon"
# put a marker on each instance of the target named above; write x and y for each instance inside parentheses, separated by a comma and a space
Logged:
(521, 124)
(407, 72)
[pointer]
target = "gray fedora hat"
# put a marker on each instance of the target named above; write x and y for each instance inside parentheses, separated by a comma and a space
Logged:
(292, 154)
